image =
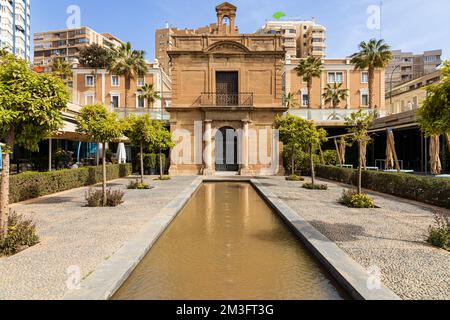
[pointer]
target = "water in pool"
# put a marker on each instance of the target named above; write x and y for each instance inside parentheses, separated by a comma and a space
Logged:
(227, 244)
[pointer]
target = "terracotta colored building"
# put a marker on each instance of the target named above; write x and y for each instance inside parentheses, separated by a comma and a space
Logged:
(334, 71)
(226, 92)
(109, 90)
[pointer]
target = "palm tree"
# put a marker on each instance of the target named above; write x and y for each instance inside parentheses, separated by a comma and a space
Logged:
(308, 69)
(290, 101)
(95, 57)
(148, 92)
(128, 63)
(61, 68)
(375, 54)
(334, 94)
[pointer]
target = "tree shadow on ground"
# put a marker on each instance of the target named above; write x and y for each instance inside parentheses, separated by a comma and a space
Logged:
(340, 232)
(54, 200)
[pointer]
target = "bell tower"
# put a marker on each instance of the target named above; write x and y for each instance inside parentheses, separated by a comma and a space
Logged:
(226, 18)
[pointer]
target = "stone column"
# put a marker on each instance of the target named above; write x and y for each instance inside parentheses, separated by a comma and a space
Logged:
(208, 170)
(245, 168)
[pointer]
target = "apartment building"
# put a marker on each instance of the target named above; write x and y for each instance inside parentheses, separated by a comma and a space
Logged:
(110, 90)
(407, 66)
(67, 44)
(334, 71)
(15, 27)
(410, 95)
(301, 38)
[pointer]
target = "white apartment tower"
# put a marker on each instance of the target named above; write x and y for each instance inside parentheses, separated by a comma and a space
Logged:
(301, 38)
(15, 27)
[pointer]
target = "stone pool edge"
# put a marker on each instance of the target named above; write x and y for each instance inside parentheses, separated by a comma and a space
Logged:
(104, 282)
(346, 271)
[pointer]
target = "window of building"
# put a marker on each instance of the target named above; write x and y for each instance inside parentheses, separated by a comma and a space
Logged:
(335, 77)
(141, 82)
(115, 82)
(89, 99)
(90, 81)
(364, 77)
(140, 101)
(305, 100)
(364, 99)
(115, 100)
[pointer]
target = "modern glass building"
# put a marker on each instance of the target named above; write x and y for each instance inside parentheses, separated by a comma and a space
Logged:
(15, 27)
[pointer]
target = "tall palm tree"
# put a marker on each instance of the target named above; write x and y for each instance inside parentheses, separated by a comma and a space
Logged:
(373, 55)
(308, 69)
(148, 92)
(290, 101)
(334, 94)
(128, 63)
(61, 68)
(95, 57)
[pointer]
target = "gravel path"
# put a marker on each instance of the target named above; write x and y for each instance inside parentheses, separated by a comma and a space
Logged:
(73, 236)
(391, 238)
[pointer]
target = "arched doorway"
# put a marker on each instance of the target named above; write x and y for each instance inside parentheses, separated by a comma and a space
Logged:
(227, 150)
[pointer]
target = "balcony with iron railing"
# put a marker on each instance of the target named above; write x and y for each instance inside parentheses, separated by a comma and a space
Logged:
(215, 99)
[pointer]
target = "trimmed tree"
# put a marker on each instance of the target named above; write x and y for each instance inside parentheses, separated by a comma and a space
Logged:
(30, 110)
(434, 115)
(162, 141)
(141, 132)
(299, 134)
(313, 138)
(373, 55)
(359, 123)
(308, 69)
(103, 127)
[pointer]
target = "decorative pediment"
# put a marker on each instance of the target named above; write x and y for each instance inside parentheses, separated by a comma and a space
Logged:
(229, 47)
(226, 6)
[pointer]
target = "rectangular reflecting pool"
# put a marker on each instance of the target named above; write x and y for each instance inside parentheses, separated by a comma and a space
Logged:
(228, 244)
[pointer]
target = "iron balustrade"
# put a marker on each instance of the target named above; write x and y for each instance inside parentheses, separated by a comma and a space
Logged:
(226, 99)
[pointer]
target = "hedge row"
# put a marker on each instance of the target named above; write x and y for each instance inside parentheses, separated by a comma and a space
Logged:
(422, 189)
(30, 185)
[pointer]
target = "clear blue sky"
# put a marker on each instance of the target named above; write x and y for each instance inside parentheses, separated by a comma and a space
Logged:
(412, 25)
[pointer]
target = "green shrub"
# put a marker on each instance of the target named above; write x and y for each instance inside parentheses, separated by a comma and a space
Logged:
(331, 157)
(21, 235)
(311, 186)
(295, 178)
(422, 189)
(94, 198)
(164, 178)
(439, 235)
(137, 185)
(352, 199)
(30, 185)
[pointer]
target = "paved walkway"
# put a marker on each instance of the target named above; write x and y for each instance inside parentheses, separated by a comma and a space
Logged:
(76, 237)
(391, 238)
